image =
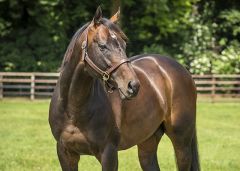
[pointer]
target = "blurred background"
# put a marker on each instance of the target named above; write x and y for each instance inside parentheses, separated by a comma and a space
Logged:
(203, 35)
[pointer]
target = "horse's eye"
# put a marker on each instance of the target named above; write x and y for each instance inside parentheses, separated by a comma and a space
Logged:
(102, 47)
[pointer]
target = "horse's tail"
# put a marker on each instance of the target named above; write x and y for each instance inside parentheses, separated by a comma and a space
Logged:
(195, 164)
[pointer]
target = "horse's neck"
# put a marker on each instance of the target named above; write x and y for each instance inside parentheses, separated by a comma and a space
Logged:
(66, 75)
(86, 96)
(80, 90)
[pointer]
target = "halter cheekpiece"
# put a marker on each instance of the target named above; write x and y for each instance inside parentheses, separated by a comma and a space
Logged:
(105, 75)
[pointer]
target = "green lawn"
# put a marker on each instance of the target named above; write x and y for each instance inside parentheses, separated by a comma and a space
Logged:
(26, 143)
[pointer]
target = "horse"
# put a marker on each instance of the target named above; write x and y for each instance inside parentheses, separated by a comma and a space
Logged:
(105, 102)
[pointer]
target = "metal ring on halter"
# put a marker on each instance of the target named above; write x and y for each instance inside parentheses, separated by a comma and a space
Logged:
(105, 76)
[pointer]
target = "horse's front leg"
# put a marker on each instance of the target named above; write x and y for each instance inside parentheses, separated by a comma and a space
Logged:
(68, 161)
(109, 158)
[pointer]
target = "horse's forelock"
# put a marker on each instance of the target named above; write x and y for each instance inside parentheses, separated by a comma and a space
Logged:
(114, 27)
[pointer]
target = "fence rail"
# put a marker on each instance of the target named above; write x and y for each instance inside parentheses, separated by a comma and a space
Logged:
(33, 85)
(41, 85)
(218, 85)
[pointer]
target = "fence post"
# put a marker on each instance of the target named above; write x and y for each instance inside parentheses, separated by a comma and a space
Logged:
(32, 91)
(1, 87)
(213, 92)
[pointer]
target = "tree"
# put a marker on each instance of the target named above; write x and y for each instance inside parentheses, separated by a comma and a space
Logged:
(212, 37)
(200, 34)
(150, 24)
(35, 34)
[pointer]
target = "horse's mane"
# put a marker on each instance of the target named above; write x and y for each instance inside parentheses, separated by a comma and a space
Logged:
(71, 46)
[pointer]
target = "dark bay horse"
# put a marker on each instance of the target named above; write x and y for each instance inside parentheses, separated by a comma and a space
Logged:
(105, 102)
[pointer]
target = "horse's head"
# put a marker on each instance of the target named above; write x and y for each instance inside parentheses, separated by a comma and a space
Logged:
(104, 52)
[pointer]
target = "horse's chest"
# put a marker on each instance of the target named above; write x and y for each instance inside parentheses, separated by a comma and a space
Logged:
(72, 138)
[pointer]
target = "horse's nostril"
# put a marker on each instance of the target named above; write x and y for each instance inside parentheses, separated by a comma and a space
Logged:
(130, 85)
(133, 87)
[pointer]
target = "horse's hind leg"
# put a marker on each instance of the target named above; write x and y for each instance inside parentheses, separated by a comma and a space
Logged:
(147, 152)
(183, 153)
(183, 137)
(68, 161)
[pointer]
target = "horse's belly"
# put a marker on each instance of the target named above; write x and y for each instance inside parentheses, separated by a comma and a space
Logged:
(74, 140)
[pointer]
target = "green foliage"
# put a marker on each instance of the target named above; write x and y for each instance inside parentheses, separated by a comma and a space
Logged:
(231, 21)
(150, 23)
(154, 48)
(228, 61)
(200, 34)
(198, 49)
(213, 41)
(29, 45)
(35, 34)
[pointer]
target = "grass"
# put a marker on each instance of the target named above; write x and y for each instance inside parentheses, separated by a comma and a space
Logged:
(26, 142)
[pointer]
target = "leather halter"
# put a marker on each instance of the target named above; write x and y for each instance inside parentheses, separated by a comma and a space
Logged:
(105, 75)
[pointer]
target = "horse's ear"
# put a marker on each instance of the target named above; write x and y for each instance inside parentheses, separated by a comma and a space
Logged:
(98, 16)
(115, 17)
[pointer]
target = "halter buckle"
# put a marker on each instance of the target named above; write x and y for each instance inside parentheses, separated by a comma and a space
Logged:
(105, 76)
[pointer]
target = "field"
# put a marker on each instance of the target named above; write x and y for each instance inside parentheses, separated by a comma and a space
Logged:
(26, 143)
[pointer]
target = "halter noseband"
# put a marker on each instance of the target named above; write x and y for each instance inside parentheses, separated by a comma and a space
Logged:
(105, 75)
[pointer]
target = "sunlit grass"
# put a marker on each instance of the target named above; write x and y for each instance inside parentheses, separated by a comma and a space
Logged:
(26, 142)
